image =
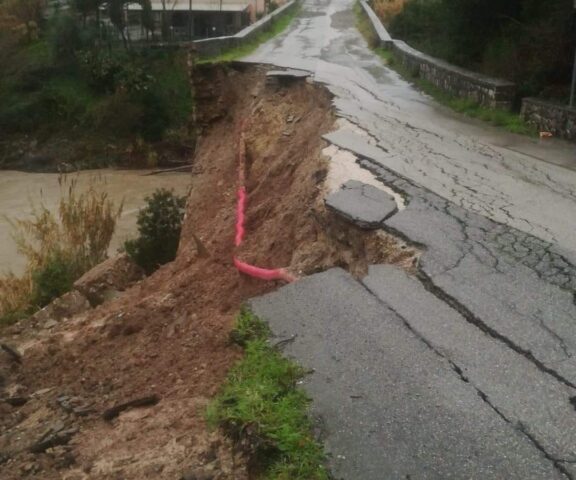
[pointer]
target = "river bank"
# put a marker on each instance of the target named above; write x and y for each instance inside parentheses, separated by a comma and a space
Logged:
(20, 190)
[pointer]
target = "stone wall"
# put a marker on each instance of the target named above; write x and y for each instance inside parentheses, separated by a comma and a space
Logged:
(462, 83)
(550, 117)
(217, 45)
(487, 91)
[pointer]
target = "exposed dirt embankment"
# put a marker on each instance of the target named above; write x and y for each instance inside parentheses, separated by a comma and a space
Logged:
(168, 335)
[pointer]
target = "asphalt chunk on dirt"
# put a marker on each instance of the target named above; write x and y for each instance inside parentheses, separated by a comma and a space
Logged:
(362, 204)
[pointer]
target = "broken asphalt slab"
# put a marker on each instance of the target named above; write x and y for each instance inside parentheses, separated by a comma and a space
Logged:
(360, 145)
(527, 398)
(289, 73)
(362, 204)
(513, 281)
(390, 406)
(511, 284)
(274, 77)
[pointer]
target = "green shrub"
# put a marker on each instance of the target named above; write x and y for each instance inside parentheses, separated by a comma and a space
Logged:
(67, 98)
(20, 113)
(173, 85)
(100, 69)
(147, 94)
(66, 84)
(109, 72)
(155, 115)
(133, 78)
(65, 38)
(53, 279)
(34, 78)
(117, 115)
(159, 226)
(61, 100)
(122, 114)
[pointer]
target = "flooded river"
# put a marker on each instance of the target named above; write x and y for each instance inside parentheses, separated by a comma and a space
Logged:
(19, 189)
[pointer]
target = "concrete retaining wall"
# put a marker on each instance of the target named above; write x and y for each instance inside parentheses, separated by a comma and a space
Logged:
(549, 117)
(215, 46)
(487, 91)
(384, 38)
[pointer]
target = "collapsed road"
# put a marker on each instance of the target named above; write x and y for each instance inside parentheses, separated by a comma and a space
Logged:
(466, 369)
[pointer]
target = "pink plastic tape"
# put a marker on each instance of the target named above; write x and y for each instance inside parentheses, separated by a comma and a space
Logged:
(240, 208)
(263, 273)
(251, 270)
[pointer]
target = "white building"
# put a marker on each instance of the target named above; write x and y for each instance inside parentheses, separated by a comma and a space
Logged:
(198, 18)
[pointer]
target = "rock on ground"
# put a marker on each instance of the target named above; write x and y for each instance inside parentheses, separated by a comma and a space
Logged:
(362, 204)
(114, 275)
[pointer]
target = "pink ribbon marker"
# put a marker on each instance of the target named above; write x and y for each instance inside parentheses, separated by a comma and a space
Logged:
(251, 270)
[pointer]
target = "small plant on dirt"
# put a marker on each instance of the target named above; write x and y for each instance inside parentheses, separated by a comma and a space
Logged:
(261, 406)
(159, 226)
(15, 297)
(59, 248)
(52, 280)
(248, 328)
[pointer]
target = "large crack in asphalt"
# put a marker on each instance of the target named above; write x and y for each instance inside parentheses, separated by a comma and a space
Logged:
(460, 179)
(452, 186)
(490, 244)
(483, 396)
(468, 246)
(429, 285)
(528, 250)
(536, 254)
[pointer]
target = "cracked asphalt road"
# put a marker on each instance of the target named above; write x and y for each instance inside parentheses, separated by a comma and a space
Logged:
(496, 174)
(466, 370)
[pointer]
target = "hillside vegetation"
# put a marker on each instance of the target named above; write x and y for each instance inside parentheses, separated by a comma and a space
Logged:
(71, 92)
(388, 9)
(530, 42)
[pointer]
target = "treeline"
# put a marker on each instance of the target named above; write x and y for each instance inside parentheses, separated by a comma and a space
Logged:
(530, 42)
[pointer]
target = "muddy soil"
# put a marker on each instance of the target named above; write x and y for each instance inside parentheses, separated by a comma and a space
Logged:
(168, 335)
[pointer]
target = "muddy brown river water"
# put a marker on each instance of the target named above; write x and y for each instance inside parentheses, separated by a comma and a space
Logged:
(19, 189)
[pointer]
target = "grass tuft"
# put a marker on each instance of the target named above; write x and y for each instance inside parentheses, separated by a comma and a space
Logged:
(260, 406)
(364, 26)
(248, 328)
(509, 121)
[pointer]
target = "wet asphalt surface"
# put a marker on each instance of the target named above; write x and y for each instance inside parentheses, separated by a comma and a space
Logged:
(468, 369)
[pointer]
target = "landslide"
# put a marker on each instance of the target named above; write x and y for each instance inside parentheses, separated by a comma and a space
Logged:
(169, 335)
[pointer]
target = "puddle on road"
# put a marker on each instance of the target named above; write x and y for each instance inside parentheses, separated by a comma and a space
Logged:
(18, 189)
(343, 166)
